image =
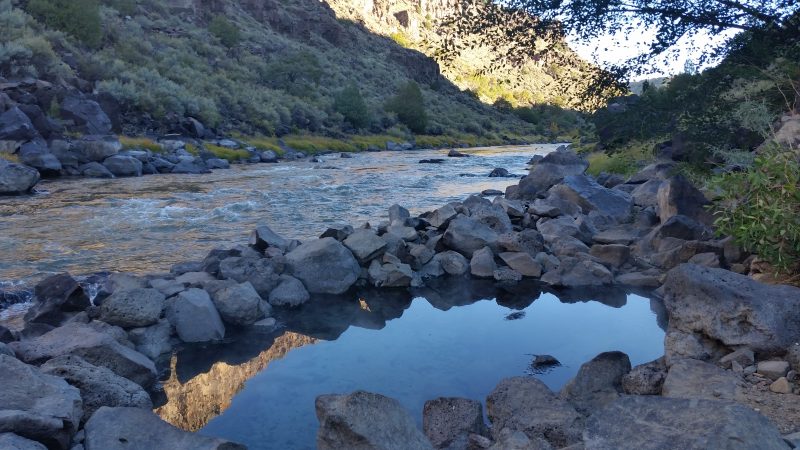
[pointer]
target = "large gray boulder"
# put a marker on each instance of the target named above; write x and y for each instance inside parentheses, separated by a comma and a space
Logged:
(263, 237)
(36, 155)
(366, 421)
(238, 303)
(194, 317)
(16, 178)
(132, 308)
(16, 126)
(86, 114)
(53, 297)
(98, 385)
(365, 245)
(290, 292)
(152, 341)
(449, 421)
(135, 428)
(690, 378)
(95, 170)
(598, 382)
(482, 264)
(578, 272)
(259, 272)
(466, 236)
(548, 172)
(590, 196)
(90, 343)
(325, 266)
(123, 166)
(645, 379)
(719, 307)
(37, 406)
(652, 422)
(11, 441)
(528, 405)
(678, 196)
(96, 148)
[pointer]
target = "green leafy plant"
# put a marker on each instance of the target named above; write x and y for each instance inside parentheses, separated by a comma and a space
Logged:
(409, 106)
(226, 31)
(760, 208)
(350, 104)
(79, 18)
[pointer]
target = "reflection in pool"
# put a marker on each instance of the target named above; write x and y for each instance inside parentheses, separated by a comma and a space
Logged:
(453, 339)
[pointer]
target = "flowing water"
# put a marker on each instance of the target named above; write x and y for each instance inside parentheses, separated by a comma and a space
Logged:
(452, 338)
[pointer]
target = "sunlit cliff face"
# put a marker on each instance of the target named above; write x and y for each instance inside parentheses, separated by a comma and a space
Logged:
(191, 405)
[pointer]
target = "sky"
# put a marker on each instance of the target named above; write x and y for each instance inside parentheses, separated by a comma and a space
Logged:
(616, 48)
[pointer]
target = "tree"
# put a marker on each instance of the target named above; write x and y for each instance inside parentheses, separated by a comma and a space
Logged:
(350, 104)
(516, 28)
(226, 31)
(409, 106)
(79, 18)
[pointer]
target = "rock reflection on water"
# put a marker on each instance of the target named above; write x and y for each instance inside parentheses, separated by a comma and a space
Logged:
(193, 402)
(447, 339)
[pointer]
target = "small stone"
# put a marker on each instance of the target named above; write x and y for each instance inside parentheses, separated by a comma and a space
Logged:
(781, 386)
(743, 356)
(736, 367)
(749, 370)
(773, 369)
(792, 375)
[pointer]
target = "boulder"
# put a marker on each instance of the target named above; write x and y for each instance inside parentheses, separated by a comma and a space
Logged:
(441, 217)
(493, 216)
(11, 441)
(152, 341)
(290, 292)
(95, 170)
(639, 279)
(16, 178)
(637, 422)
(548, 172)
(191, 166)
(517, 440)
(338, 232)
(390, 274)
(135, 428)
(659, 171)
(36, 155)
(500, 172)
(366, 421)
(54, 296)
(325, 266)
(522, 263)
(448, 422)
(526, 404)
(453, 263)
(132, 308)
(268, 156)
(612, 255)
(466, 236)
(98, 385)
(6, 350)
(731, 310)
(263, 237)
(398, 214)
(528, 240)
(590, 196)
(16, 126)
(166, 287)
(645, 379)
(93, 343)
(365, 245)
(678, 196)
(506, 275)
(237, 303)
(690, 378)
(646, 194)
(773, 369)
(482, 264)
(453, 153)
(194, 317)
(96, 148)
(216, 163)
(259, 272)
(86, 114)
(123, 166)
(565, 226)
(598, 382)
(37, 406)
(576, 272)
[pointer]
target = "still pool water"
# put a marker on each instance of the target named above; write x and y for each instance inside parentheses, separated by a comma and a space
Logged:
(451, 341)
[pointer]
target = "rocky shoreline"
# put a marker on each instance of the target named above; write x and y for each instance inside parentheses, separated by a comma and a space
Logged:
(731, 341)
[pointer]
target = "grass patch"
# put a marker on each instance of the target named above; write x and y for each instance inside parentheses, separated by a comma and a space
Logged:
(131, 143)
(229, 154)
(11, 157)
(625, 161)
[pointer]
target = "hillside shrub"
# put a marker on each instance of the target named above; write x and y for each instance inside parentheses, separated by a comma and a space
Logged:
(226, 31)
(409, 106)
(350, 104)
(79, 18)
(760, 208)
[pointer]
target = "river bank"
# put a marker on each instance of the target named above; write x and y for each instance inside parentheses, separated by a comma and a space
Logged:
(556, 227)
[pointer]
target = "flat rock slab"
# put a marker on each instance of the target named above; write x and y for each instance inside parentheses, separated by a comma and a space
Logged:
(366, 421)
(11, 441)
(134, 428)
(37, 406)
(690, 378)
(651, 422)
(96, 347)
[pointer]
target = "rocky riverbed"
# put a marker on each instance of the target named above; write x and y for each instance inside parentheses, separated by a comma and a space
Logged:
(727, 380)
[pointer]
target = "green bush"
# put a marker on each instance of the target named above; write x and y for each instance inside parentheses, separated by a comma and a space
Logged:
(79, 18)
(760, 208)
(350, 104)
(226, 31)
(409, 106)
